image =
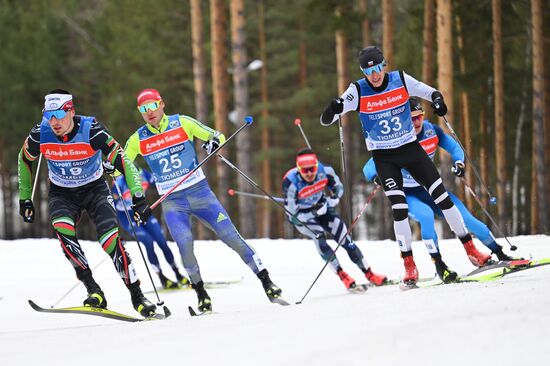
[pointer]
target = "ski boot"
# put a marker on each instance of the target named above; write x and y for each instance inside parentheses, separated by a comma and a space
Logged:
(411, 273)
(445, 273)
(374, 278)
(143, 306)
(503, 256)
(166, 283)
(205, 304)
(345, 278)
(182, 280)
(477, 258)
(271, 290)
(96, 297)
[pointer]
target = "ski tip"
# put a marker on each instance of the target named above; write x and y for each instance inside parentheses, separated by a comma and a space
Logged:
(248, 120)
(297, 121)
(167, 311)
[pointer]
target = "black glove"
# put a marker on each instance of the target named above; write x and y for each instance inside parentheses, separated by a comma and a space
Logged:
(212, 144)
(458, 169)
(376, 180)
(438, 105)
(26, 209)
(142, 211)
(108, 168)
(337, 105)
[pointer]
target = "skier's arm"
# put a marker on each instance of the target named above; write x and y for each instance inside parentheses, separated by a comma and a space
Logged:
(449, 144)
(334, 183)
(100, 139)
(289, 193)
(194, 128)
(28, 154)
(349, 101)
(417, 88)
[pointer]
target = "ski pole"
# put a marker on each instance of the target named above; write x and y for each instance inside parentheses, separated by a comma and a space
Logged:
(36, 177)
(247, 121)
(76, 284)
(369, 199)
(492, 199)
(233, 192)
(298, 122)
(469, 189)
(344, 171)
(159, 303)
(254, 184)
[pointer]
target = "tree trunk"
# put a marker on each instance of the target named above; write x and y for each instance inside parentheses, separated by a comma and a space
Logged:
(465, 108)
(365, 27)
(445, 80)
(388, 31)
(220, 86)
(538, 116)
(266, 166)
(500, 125)
(247, 205)
(199, 84)
(483, 157)
(428, 50)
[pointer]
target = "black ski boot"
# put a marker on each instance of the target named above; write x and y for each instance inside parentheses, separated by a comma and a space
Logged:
(271, 290)
(143, 306)
(95, 298)
(445, 273)
(503, 256)
(166, 283)
(182, 280)
(205, 304)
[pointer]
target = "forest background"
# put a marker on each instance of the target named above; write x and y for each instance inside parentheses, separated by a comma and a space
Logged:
(486, 56)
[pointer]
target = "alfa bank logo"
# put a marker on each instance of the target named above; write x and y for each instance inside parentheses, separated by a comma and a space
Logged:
(384, 101)
(430, 144)
(312, 189)
(63, 152)
(162, 141)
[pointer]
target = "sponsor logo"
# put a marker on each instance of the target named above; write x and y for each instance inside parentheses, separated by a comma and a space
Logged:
(174, 124)
(384, 101)
(221, 217)
(163, 141)
(312, 189)
(60, 152)
(430, 144)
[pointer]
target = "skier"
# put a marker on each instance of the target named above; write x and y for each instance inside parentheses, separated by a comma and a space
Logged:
(422, 206)
(381, 98)
(166, 143)
(149, 233)
(72, 145)
(304, 191)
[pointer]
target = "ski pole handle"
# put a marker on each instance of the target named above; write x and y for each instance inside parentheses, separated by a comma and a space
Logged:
(247, 122)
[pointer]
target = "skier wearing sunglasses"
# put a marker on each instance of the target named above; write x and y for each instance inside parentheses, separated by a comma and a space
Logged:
(304, 190)
(381, 99)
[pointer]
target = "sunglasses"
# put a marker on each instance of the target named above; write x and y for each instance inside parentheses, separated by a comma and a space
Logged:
(59, 114)
(153, 106)
(376, 68)
(309, 169)
(418, 117)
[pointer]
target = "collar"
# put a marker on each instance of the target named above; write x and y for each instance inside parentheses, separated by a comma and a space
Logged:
(163, 125)
(382, 87)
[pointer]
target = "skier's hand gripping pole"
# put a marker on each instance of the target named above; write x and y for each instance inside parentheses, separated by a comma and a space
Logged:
(247, 121)
(254, 184)
(369, 199)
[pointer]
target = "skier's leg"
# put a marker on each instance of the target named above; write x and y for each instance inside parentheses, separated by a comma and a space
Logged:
(324, 250)
(422, 213)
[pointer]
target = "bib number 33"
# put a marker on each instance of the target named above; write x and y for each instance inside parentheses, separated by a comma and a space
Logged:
(394, 124)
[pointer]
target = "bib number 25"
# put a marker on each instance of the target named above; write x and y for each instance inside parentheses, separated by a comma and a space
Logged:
(168, 165)
(386, 128)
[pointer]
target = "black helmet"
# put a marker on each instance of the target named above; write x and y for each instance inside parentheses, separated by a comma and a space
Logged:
(415, 104)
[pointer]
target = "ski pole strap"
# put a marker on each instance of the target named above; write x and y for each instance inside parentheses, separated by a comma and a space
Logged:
(247, 121)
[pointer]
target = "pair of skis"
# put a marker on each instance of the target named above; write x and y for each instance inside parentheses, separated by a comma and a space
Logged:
(503, 268)
(274, 299)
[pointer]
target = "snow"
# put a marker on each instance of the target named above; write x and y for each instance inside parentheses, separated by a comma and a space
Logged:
(503, 322)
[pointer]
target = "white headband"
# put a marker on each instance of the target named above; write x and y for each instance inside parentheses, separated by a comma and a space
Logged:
(54, 102)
